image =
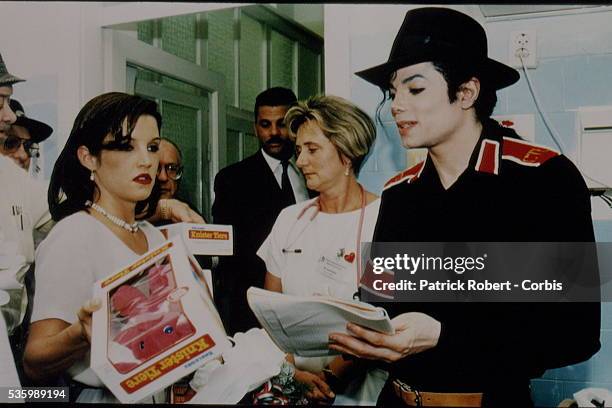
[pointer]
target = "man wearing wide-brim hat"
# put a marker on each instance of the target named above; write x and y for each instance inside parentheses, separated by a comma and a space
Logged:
(7, 80)
(23, 137)
(23, 209)
(480, 182)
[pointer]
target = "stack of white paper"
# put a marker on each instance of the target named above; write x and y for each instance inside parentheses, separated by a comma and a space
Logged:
(301, 325)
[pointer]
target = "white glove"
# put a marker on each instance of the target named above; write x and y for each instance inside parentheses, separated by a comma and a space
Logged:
(252, 361)
(584, 397)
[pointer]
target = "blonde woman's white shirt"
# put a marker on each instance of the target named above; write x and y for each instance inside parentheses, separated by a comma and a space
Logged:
(305, 242)
(79, 251)
(301, 253)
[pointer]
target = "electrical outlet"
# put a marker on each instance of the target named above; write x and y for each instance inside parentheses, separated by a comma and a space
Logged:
(523, 43)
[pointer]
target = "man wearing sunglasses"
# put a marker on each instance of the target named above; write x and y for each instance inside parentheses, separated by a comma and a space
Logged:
(21, 140)
(23, 210)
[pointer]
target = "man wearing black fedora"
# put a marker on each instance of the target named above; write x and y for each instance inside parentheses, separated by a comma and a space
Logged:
(22, 138)
(480, 182)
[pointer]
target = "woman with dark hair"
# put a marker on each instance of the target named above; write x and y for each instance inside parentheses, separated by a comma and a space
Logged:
(102, 182)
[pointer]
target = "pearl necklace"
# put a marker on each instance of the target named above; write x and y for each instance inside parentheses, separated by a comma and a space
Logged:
(133, 228)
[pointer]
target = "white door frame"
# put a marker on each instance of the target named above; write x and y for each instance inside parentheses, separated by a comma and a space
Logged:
(200, 104)
(121, 49)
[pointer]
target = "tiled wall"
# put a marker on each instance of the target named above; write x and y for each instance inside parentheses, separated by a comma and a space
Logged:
(574, 69)
(563, 85)
(561, 383)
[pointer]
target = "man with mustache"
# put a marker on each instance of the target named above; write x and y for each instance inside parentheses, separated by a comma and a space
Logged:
(249, 195)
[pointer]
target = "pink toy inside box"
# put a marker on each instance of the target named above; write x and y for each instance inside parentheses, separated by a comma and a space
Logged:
(156, 325)
(203, 239)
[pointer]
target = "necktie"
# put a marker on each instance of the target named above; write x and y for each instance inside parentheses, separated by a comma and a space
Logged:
(288, 197)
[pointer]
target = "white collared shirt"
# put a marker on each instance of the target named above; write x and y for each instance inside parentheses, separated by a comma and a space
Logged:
(295, 177)
(23, 209)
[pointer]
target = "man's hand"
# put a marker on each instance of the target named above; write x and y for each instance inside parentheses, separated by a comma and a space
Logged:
(414, 333)
(318, 390)
(177, 211)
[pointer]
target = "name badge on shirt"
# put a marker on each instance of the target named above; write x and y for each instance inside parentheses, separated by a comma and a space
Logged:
(334, 268)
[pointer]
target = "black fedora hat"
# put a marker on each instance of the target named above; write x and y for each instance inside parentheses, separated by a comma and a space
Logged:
(39, 131)
(435, 33)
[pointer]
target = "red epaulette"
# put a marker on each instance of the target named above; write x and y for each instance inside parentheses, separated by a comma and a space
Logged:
(526, 153)
(407, 175)
(488, 157)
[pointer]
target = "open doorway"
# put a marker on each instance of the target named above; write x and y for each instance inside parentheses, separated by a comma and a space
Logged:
(205, 70)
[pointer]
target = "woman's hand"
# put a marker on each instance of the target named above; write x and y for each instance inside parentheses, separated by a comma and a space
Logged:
(54, 345)
(177, 211)
(414, 333)
(84, 315)
(318, 390)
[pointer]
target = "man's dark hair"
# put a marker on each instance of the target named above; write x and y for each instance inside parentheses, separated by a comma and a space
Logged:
(456, 74)
(277, 96)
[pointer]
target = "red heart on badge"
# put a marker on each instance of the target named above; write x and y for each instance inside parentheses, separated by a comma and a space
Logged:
(349, 257)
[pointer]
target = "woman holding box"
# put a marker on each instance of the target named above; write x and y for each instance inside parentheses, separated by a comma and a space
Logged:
(102, 180)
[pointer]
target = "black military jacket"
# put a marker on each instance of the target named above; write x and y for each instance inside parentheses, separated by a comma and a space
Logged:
(512, 190)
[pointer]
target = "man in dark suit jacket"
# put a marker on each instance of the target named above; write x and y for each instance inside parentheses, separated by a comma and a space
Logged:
(249, 195)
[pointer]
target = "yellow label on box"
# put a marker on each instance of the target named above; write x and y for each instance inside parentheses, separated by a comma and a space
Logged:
(154, 371)
(215, 235)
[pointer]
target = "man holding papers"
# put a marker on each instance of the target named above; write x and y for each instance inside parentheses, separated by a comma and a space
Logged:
(479, 183)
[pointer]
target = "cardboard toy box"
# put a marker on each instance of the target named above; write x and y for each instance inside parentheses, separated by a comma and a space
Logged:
(157, 323)
(203, 239)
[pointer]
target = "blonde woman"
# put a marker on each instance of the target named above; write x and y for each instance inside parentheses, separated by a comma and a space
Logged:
(314, 246)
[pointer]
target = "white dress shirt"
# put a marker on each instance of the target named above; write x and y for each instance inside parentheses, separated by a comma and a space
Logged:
(298, 185)
(23, 209)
